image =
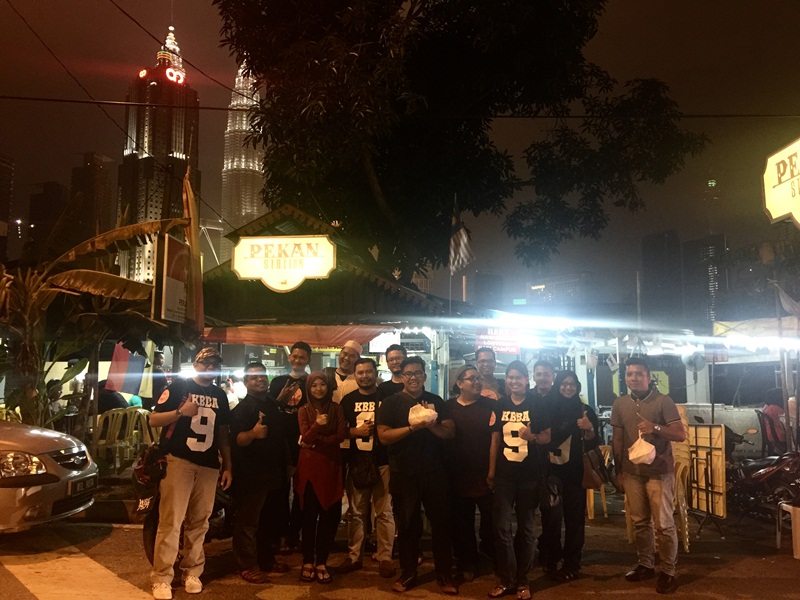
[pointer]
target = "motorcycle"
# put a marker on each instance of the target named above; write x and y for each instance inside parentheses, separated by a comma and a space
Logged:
(756, 487)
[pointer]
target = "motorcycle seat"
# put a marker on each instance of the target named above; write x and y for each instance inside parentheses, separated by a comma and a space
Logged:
(751, 465)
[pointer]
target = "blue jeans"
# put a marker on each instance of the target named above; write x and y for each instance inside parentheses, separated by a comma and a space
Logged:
(514, 553)
(650, 500)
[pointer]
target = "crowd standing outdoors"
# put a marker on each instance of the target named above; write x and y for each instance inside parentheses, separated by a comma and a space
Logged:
(498, 449)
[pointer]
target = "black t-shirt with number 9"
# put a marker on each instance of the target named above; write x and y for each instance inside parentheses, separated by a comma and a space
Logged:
(517, 458)
(195, 439)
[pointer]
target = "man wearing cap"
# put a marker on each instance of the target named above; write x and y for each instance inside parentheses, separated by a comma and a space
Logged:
(344, 380)
(194, 416)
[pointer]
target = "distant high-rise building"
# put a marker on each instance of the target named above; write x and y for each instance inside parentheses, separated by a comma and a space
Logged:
(45, 208)
(660, 295)
(91, 192)
(704, 280)
(161, 142)
(242, 179)
(6, 204)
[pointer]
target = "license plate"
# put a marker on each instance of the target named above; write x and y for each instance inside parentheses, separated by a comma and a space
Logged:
(79, 486)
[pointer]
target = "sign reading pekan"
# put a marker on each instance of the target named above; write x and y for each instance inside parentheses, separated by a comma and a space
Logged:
(282, 263)
(782, 184)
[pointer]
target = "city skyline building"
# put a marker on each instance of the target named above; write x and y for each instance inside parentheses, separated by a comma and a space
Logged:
(161, 142)
(7, 228)
(660, 299)
(92, 193)
(704, 280)
(242, 177)
(45, 208)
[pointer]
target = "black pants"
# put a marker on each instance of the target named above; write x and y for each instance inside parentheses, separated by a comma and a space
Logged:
(465, 543)
(319, 527)
(261, 514)
(409, 494)
(572, 511)
(294, 524)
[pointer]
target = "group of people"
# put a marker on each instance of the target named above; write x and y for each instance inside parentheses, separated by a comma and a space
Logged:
(498, 446)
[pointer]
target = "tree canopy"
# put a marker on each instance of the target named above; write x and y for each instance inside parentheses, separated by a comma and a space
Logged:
(377, 114)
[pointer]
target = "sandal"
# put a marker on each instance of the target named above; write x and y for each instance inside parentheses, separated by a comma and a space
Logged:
(255, 576)
(501, 590)
(307, 572)
(523, 592)
(322, 574)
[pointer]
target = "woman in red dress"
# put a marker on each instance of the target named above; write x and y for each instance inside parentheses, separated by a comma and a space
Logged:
(318, 479)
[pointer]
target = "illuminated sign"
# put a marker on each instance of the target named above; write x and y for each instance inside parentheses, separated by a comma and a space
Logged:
(283, 263)
(175, 75)
(782, 184)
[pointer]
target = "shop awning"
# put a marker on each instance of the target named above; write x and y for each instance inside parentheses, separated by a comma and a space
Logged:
(317, 336)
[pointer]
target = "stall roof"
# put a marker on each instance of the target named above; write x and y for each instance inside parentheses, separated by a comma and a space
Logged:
(355, 287)
(317, 336)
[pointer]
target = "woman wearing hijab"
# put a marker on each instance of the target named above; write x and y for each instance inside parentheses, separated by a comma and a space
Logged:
(574, 427)
(318, 479)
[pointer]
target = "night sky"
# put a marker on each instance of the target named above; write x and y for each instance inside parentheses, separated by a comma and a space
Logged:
(719, 58)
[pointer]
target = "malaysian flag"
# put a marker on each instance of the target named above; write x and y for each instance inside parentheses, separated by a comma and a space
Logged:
(460, 252)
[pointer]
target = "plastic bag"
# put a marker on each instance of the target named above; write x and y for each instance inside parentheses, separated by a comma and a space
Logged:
(421, 415)
(641, 452)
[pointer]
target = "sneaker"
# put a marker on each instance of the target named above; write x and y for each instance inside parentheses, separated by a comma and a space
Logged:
(640, 573)
(162, 591)
(386, 569)
(192, 584)
(666, 584)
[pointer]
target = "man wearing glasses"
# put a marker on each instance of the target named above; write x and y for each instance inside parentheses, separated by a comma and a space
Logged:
(417, 474)
(395, 355)
(260, 451)
(194, 417)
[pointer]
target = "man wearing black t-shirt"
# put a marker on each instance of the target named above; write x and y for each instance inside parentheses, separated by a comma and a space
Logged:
(395, 355)
(468, 466)
(194, 417)
(417, 474)
(290, 392)
(359, 409)
(260, 449)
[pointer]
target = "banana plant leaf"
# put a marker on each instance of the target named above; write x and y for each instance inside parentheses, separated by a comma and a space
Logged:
(101, 284)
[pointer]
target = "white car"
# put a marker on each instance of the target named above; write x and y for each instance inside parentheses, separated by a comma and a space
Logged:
(44, 475)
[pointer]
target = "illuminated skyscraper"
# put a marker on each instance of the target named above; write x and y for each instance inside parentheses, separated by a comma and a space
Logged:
(161, 141)
(241, 171)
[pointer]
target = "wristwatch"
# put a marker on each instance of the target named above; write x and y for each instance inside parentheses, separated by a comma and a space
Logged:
(657, 428)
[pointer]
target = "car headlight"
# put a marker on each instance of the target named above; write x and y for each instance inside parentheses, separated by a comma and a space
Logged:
(19, 464)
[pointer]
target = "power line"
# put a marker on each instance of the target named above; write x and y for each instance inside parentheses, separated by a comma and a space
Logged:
(112, 103)
(520, 117)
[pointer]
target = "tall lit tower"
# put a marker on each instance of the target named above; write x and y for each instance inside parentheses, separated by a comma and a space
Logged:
(241, 170)
(161, 141)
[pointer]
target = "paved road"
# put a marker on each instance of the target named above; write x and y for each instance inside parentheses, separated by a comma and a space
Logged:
(88, 562)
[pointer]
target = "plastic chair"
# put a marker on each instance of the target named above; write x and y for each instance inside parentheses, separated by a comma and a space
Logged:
(768, 434)
(138, 433)
(606, 451)
(106, 438)
(681, 504)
